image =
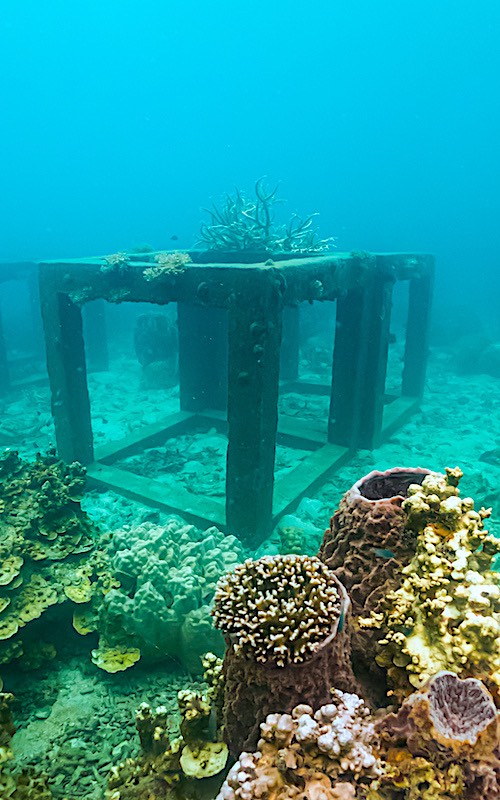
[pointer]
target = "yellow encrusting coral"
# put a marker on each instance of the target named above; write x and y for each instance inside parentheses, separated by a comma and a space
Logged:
(446, 613)
(48, 547)
(115, 659)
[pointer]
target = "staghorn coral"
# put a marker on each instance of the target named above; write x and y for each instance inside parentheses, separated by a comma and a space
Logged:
(284, 618)
(326, 755)
(167, 576)
(443, 742)
(45, 542)
(446, 613)
(247, 225)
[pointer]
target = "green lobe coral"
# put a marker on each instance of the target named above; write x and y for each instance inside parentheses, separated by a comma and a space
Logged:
(45, 542)
(168, 575)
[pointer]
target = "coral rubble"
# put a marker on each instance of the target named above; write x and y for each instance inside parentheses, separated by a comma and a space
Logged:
(16, 784)
(285, 622)
(189, 766)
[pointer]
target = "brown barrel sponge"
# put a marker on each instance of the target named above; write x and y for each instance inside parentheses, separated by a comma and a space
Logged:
(367, 544)
(285, 623)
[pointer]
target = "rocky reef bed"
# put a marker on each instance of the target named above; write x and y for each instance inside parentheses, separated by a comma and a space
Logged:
(74, 722)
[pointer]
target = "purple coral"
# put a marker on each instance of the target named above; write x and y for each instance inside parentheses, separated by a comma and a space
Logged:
(460, 710)
(450, 722)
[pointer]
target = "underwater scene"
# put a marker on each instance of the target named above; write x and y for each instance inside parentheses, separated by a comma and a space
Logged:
(249, 400)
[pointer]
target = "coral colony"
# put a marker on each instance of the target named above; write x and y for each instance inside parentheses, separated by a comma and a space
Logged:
(369, 672)
(247, 224)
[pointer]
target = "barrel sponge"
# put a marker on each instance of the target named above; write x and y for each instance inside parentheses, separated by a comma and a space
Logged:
(368, 539)
(449, 730)
(285, 622)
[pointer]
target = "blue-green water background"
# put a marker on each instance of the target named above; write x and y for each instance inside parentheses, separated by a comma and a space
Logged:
(120, 119)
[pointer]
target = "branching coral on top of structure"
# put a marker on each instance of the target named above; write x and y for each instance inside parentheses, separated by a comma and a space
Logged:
(446, 613)
(244, 224)
(167, 264)
(116, 262)
(278, 608)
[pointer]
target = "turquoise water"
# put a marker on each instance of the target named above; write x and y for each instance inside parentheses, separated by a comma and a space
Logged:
(135, 139)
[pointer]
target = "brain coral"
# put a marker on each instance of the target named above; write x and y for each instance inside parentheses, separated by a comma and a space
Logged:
(168, 575)
(285, 621)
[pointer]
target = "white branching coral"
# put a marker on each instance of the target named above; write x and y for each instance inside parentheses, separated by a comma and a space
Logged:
(167, 264)
(334, 744)
(278, 608)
